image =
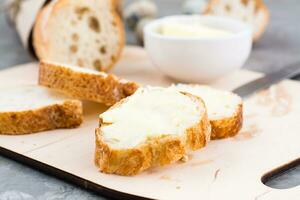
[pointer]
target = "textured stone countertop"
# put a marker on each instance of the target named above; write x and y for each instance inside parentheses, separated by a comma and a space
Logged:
(279, 46)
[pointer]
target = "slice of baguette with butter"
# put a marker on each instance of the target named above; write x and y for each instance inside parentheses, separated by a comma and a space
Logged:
(84, 83)
(30, 109)
(253, 12)
(86, 33)
(153, 127)
(225, 109)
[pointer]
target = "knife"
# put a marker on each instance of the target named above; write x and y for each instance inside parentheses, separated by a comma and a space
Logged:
(269, 79)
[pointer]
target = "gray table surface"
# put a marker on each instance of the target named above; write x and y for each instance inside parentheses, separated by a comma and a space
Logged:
(279, 46)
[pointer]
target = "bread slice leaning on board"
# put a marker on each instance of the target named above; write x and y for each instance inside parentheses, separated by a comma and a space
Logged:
(86, 33)
(253, 12)
(30, 109)
(84, 83)
(153, 127)
(225, 109)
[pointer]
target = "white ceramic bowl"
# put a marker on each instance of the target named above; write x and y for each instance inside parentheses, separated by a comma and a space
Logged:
(198, 60)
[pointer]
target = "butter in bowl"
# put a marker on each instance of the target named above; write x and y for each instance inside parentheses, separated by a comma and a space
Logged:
(199, 49)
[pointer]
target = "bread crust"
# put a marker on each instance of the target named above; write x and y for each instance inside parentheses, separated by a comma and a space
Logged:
(65, 115)
(99, 87)
(155, 151)
(263, 27)
(227, 127)
(120, 25)
(259, 5)
(41, 45)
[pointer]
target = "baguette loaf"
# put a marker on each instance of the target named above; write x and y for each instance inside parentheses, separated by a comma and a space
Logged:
(225, 109)
(86, 33)
(83, 83)
(153, 127)
(253, 12)
(30, 109)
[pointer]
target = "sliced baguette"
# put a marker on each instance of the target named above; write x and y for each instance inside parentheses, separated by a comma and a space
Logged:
(253, 12)
(225, 109)
(153, 127)
(86, 33)
(85, 84)
(30, 109)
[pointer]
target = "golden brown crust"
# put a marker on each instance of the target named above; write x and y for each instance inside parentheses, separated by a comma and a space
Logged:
(41, 45)
(156, 151)
(266, 12)
(65, 115)
(259, 6)
(119, 7)
(102, 88)
(120, 25)
(227, 127)
(121, 161)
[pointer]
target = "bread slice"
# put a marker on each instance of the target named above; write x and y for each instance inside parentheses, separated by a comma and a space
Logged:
(153, 127)
(86, 33)
(253, 12)
(85, 84)
(30, 109)
(225, 109)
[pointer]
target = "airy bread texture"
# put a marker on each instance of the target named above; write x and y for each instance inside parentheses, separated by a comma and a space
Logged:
(253, 12)
(225, 109)
(84, 83)
(86, 33)
(153, 127)
(30, 109)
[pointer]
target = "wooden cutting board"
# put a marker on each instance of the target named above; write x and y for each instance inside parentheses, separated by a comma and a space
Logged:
(226, 169)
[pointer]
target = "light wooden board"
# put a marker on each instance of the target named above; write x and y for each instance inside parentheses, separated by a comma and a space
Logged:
(225, 169)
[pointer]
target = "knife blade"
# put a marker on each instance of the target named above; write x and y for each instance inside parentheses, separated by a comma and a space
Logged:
(269, 79)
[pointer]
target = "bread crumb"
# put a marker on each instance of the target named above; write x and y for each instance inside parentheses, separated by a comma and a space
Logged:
(248, 133)
(184, 159)
(201, 162)
(94, 24)
(277, 99)
(165, 177)
(169, 178)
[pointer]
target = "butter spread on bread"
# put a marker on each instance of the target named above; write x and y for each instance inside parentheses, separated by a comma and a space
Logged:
(225, 109)
(153, 127)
